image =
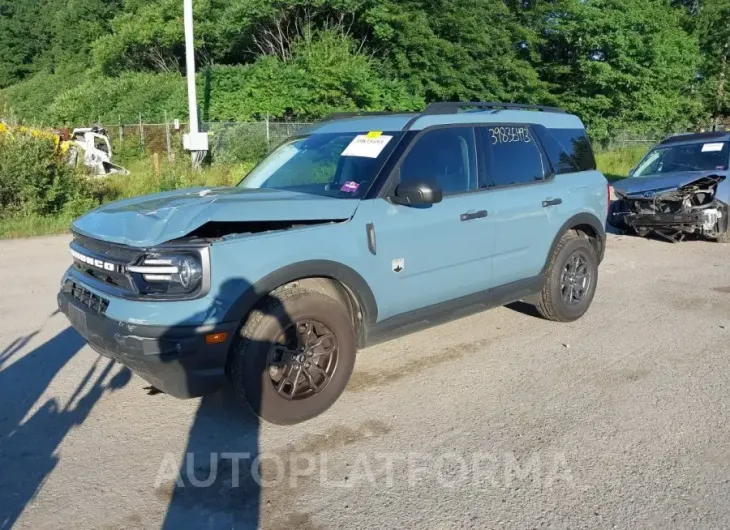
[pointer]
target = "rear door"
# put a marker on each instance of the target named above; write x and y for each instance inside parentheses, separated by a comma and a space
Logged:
(527, 202)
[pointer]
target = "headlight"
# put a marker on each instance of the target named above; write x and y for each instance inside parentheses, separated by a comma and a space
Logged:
(171, 274)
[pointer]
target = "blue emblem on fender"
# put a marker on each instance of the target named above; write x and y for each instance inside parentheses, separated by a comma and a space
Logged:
(648, 194)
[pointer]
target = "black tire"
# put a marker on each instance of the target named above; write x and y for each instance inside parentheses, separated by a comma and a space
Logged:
(280, 313)
(552, 305)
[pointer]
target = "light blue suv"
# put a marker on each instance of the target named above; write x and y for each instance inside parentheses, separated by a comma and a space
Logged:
(361, 228)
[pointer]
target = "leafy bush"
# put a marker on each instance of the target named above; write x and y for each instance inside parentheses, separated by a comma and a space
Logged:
(325, 72)
(127, 97)
(241, 142)
(31, 100)
(34, 177)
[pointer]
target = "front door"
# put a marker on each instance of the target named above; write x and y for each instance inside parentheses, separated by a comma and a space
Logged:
(427, 255)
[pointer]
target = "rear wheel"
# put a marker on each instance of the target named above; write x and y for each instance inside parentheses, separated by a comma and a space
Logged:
(570, 281)
(295, 356)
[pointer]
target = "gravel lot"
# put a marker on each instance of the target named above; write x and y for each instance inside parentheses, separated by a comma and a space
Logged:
(496, 420)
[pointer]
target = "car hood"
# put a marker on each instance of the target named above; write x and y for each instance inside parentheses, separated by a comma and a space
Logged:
(658, 183)
(154, 219)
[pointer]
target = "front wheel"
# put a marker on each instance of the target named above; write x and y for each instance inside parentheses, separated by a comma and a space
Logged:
(570, 281)
(295, 356)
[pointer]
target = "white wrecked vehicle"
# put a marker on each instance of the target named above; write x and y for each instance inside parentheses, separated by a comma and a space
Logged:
(91, 146)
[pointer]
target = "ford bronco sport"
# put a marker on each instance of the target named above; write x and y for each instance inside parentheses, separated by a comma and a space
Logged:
(361, 228)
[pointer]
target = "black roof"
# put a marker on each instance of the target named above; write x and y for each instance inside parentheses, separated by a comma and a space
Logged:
(697, 137)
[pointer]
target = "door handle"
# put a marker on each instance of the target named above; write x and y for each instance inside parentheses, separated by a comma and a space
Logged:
(551, 202)
(468, 216)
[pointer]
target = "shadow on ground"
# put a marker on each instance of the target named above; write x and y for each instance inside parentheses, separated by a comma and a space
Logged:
(30, 436)
(215, 485)
(217, 482)
(525, 308)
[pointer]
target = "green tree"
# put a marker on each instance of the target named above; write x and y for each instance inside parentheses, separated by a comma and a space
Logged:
(455, 49)
(713, 29)
(25, 36)
(619, 63)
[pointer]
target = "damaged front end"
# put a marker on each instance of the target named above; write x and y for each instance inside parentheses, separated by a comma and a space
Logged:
(692, 208)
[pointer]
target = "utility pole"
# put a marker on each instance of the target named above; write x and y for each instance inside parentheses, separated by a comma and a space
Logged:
(195, 141)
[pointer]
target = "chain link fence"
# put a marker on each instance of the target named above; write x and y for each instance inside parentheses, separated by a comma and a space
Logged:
(229, 141)
(646, 139)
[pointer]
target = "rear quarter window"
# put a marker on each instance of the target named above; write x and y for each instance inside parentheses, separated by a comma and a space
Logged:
(512, 156)
(569, 150)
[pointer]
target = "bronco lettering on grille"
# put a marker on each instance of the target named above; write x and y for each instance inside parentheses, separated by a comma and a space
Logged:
(99, 264)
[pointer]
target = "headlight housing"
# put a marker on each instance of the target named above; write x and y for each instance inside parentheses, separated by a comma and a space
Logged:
(172, 274)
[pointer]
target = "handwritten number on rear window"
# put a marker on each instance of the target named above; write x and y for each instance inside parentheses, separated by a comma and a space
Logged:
(508, 135)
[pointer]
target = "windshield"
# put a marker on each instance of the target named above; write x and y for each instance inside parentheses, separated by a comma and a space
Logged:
(333, 164)
(688, 157)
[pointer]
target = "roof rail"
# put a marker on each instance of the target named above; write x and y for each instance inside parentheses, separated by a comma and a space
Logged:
(449, 107)
(338, 115)
(444, 107)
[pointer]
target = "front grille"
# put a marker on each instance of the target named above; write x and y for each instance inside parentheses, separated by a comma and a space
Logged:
(111, 253)
(86, 297)
(117, 279)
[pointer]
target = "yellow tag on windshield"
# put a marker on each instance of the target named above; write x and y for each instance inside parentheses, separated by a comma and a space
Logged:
(374, 134)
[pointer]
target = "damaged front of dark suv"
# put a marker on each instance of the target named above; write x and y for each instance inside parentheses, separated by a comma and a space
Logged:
(680, 188)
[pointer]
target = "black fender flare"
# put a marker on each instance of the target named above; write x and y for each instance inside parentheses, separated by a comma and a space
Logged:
(583, 218)
(347, 276)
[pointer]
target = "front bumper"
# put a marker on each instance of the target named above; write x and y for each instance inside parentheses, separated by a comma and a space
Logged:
(176, 360)
(665, 220)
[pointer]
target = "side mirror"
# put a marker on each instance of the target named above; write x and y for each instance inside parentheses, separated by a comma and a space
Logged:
(417, 193)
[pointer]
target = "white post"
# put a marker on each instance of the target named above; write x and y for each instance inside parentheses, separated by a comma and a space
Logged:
(268, 134)
(195, 142)
(168, 140)
(141, 132)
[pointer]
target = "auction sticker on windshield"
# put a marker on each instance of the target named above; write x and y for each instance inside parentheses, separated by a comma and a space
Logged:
(709, 148)
(368, 145)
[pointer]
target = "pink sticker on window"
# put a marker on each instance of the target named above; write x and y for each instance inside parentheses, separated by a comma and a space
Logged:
(350, 187)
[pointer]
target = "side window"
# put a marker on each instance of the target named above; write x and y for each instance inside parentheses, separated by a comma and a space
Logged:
(445, 156)
(513, 156)
(574, 144)
(562, 161)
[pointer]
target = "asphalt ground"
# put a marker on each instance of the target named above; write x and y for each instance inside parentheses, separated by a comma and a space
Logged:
(498, 420)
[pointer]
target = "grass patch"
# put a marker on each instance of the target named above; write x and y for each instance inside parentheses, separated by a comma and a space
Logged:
(144, 179)
(33, 225)
(616, 163)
